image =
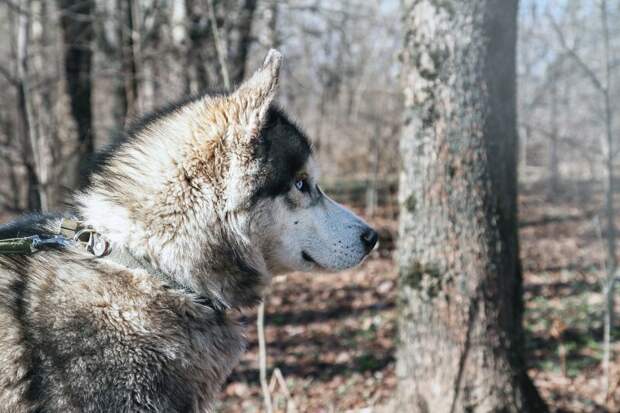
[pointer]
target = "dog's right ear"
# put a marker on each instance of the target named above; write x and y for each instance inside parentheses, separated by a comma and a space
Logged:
(255, 95)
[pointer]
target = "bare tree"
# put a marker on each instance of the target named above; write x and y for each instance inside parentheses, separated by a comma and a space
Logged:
(29, 145)
(554, 161)
(78, 33)
(128, 45)
(461, 337)
(199, 44)
(242, 40)
(10, 199)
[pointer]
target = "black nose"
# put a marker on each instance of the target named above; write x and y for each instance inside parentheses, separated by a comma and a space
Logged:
(369, 239)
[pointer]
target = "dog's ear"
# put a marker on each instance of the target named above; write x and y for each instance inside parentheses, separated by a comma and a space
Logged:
(256, 94)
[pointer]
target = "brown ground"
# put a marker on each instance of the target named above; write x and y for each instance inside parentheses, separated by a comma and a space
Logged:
(332, 336)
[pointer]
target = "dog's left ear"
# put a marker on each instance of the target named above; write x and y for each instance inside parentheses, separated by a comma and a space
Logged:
(256, 94)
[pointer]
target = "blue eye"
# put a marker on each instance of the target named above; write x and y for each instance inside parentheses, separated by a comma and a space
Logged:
(302, 184)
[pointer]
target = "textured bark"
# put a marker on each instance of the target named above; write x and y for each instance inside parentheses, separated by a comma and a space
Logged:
(129, 68)
(8, 160)
(28, 142)
(461, 339)
(78, 32)
(243, 41)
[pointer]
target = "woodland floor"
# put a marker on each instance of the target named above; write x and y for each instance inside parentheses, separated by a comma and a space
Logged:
(332, 336)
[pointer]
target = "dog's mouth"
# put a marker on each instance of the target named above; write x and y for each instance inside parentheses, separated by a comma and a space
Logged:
(308, 258)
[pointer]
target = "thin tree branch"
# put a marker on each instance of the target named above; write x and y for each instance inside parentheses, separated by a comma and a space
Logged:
(573, 54)
(262, 356)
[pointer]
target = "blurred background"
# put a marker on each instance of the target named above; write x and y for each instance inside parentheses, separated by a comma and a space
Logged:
(73, 73)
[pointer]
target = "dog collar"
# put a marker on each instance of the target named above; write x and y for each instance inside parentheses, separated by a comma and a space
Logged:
(100, 247)
(124, 257)
(74, 232)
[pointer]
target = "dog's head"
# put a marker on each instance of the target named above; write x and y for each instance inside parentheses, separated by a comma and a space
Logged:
(274, 180)
(299, 227)
(223, 191)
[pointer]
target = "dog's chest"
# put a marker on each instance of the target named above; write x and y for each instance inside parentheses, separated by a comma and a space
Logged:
(212, 349)
(100, 336)
(191, 346)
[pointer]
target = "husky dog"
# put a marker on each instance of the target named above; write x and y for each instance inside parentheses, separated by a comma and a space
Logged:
(199, 206)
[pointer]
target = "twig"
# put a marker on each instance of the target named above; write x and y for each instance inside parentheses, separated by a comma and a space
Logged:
(290, 403)
(262, 357)
(607, 285)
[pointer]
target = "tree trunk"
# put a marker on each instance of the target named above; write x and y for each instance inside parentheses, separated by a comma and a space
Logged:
(129, 83)
(461, 338)
(198, 34)
(78, 33)
(27, 129)
(374, 157)
(610, 208)
(554, 160)
(157, 41)
(238, 60)
(8, 158)
(270, 36)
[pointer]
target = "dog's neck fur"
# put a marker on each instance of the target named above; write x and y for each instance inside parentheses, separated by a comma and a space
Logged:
(194, 257)
(237, 281)
(179, 195)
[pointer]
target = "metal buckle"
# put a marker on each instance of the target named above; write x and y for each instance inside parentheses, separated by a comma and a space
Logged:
(94, 242)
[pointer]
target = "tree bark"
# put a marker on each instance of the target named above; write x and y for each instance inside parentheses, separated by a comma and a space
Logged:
(461, 338)
(78, 34)
(129, 85)
(27, 129)
(238, 59)
(8, 157)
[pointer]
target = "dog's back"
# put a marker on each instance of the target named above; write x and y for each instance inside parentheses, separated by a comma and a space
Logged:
(82, 334)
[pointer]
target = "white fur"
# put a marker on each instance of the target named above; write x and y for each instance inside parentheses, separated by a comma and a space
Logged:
(326, 231)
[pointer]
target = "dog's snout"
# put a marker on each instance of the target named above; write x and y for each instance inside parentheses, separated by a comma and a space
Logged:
(369, 239)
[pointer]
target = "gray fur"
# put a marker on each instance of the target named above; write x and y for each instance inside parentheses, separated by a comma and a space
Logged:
(85, 335)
